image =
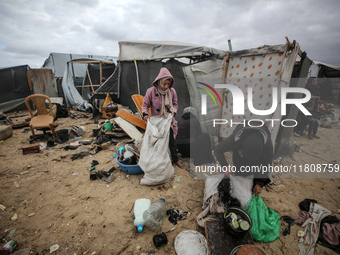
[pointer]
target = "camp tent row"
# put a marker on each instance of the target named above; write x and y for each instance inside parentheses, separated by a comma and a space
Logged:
(266, 67)
(18, 82)
(193, 67)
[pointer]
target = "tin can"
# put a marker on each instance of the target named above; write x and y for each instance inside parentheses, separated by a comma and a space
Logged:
(232, 220)
(8, 247)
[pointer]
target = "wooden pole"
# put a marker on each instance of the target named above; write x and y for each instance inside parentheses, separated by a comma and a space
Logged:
(224, 78)
(101, 72)
(88, 74)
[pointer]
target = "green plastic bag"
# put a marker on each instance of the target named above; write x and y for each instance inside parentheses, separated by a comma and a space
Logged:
(266, 222)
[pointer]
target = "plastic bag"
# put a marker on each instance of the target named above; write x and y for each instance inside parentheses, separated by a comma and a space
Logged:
(266, 222)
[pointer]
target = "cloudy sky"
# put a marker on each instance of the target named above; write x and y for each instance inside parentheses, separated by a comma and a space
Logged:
(31, 29)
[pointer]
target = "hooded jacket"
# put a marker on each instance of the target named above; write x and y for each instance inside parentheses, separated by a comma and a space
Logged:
(153, 99)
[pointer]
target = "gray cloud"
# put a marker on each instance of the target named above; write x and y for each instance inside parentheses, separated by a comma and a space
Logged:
(31, 30)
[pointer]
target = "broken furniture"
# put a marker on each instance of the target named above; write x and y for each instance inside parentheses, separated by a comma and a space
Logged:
(44, 118)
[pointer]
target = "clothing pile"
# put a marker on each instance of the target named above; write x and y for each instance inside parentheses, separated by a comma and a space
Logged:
(319, 226)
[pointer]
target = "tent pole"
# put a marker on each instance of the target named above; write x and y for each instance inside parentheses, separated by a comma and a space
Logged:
(224, 76)
(88, 74)
(101, 72)
(137, 77)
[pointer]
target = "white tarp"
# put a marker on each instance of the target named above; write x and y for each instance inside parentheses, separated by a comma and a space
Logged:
(151, 50)
(72, 96)
(58, 62)
(261, 69)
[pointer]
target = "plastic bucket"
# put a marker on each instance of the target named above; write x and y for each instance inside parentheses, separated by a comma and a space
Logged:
(62, 135)
(129, 169)
(108, 126)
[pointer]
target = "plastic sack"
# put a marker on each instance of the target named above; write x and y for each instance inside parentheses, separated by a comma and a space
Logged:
(154, 158)
(266, 222)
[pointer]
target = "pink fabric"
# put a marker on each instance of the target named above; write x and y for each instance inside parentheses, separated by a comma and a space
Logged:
(301, 217)
(163, 73)
(153, 99)
(330, 233)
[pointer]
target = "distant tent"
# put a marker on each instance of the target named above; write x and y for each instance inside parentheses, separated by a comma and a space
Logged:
(328, 80)
(14, 86)
(58, 62)
(71, 94)
(20, 81)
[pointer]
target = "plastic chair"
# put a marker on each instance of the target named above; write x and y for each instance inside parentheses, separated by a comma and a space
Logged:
(44, 119)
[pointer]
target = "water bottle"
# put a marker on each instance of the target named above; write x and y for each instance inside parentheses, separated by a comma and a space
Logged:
(141, 205)
(155, 215)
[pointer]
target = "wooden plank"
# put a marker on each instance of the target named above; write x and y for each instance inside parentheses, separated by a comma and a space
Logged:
(88, 73)
(128, 128)
(224, 76)
(32, 148)
(131, 118)
(138, 100)
(220, 241)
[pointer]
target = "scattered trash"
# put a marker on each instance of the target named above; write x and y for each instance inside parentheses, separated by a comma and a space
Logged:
(54, 248)
(290, 222)
(300, 233)
(297, 146)
(160, 239)
(9, 247)
(10, 235)
(102, 175)
(14, 217)
(176, 214)
(75, 174)
(26, 172)
(2, 207)
(140, 206)
(16, 184)
(31, 214)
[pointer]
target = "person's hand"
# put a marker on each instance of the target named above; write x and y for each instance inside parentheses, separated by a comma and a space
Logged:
(145, 118)
(257, 189)
(173, 114)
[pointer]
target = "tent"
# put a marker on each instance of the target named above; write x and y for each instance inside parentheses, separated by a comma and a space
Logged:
(263, 68)
(139, 63)
(18, 82)
(71, 94)
(328, 80)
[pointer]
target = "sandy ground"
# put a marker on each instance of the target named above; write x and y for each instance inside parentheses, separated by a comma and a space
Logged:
(54, 205)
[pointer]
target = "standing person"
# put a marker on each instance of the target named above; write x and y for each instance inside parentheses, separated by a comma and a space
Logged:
(250, 146)
(162, 99)
(191, 141)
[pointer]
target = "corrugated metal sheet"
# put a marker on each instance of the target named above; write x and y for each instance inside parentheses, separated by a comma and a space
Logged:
(43, 82)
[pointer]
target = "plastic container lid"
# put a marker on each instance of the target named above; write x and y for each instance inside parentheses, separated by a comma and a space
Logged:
(140, 227)
(191, 242)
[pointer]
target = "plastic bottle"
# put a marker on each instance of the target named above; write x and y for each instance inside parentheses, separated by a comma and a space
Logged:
(141, 205)
(155, 215)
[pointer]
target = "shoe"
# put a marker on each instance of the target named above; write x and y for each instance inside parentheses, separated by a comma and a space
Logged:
(310, 137)
(180, 165)
(315, 136)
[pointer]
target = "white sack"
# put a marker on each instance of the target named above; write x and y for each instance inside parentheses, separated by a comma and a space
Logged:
(211, 187)
(154, 158)
(241, 188)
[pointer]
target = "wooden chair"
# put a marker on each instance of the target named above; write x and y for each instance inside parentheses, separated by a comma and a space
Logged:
(44, 119)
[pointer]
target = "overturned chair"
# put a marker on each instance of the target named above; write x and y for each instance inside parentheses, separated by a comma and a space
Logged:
(44, 119)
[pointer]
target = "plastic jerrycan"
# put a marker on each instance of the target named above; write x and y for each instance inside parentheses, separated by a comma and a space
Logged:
(155, 215)
(141, 205)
